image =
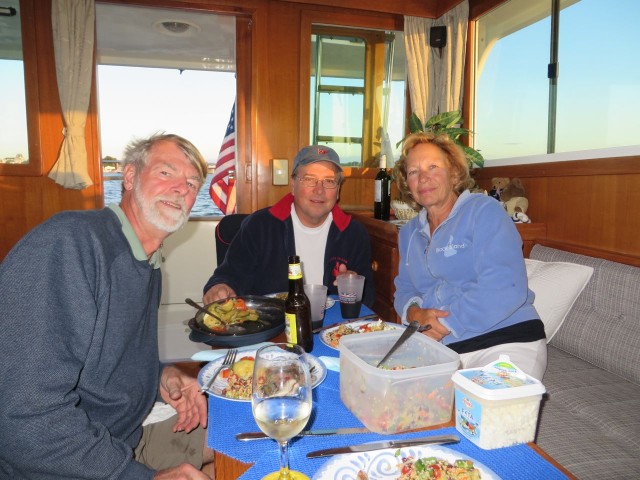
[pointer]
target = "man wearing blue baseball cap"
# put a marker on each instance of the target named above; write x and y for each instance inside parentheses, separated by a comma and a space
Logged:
(306, 222)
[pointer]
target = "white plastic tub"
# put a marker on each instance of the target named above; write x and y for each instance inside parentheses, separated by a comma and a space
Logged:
(497, 405)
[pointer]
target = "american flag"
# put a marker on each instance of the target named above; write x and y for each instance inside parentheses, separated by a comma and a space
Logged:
(223, 183)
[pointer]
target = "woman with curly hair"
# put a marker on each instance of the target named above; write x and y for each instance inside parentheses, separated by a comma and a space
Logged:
(461, 265)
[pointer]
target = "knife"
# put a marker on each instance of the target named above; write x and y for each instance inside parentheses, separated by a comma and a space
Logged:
(366, 447)
(334, 431)
(366, 317)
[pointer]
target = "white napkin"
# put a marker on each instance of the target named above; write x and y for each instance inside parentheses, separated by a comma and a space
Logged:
(160, 411)
(332, 363)
(210, 355)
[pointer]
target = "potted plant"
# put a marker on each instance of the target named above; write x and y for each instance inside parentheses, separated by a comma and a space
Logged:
(446, 123)
(442, 123)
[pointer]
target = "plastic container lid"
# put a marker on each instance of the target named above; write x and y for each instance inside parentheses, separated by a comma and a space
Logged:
(500, 380)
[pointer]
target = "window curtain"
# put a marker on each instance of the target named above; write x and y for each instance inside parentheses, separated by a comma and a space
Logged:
(73, 24)
(436, 77)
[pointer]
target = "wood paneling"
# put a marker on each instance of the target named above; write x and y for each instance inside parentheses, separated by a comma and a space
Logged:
(29, 200)
(272, 38)
(588, 203)
(585, 203)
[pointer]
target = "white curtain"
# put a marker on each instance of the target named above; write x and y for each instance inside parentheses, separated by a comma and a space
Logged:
(73, 37)
(435, 82)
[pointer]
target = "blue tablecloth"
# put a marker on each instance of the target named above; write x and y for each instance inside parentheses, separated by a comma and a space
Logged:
(227, 418)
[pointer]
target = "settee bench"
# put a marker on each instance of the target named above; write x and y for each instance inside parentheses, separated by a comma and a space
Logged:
(590, 416)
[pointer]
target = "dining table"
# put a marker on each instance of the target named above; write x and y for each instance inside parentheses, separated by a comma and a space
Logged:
(249, 460)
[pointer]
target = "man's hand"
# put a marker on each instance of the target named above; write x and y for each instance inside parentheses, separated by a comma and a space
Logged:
(218, 292)
(181, 392)
(181, 472)
(429, 316)
(343, 269)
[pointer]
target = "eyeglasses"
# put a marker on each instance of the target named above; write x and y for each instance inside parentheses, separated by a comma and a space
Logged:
(328, 183)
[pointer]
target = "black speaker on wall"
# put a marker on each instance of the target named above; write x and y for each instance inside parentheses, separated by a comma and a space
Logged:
(438, 37)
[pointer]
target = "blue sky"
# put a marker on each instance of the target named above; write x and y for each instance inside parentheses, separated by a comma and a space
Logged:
(198, 106)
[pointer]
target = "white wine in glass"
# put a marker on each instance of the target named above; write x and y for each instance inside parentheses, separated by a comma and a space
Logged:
(281, 399)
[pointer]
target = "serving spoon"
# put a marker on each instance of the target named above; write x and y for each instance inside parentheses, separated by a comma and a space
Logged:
(410, 330)
(230, 329)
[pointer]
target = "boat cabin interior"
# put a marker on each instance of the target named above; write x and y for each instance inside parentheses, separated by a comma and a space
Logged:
(301, 68)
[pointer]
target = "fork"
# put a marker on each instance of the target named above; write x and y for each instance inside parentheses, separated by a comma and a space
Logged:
(228, 360)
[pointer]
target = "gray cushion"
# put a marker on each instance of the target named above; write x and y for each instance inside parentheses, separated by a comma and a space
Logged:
(603, 327)
(590, 417)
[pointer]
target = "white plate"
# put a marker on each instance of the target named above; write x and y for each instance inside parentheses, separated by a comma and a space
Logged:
(220, 384)
(383, 464)
(324, 335)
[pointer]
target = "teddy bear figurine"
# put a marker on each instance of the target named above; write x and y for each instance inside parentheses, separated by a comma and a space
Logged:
(497, 185)
(514, 201)
(519, 216)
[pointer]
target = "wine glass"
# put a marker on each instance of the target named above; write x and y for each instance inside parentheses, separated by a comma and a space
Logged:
(281, 399)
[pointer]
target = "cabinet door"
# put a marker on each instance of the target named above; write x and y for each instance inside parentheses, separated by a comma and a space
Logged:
(384, 262)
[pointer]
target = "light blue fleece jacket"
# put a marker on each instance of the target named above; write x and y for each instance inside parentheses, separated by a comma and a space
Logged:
(472, 267)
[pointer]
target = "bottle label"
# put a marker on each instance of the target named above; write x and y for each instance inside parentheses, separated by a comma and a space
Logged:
(291, 327)
(377, 192)
(295, 271)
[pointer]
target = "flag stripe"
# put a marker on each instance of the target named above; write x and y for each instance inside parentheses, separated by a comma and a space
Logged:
(222, 189)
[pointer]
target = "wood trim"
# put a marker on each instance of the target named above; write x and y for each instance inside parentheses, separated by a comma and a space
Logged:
(592, 252)
(417, 8)
(478, 8)
(601, 166)
(310, 17)
(246, 188)
(32, 98)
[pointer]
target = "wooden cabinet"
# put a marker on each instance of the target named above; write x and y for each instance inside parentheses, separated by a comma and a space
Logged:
(385, 257)
(384, 262)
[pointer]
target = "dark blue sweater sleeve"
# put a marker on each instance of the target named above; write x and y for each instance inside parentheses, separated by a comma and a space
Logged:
(46, 314)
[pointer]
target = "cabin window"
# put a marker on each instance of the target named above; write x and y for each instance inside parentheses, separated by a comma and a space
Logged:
(519, 111)
(14, 139)
(357, 100)
(163, 70)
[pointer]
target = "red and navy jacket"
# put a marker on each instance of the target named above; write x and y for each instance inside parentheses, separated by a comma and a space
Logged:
(257, 260)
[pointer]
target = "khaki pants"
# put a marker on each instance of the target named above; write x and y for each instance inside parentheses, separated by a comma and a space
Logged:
(160, 448)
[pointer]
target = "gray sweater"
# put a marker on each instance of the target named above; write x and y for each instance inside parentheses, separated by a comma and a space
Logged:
(79, 367)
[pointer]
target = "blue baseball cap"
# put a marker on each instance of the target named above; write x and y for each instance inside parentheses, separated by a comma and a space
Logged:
(316, 153)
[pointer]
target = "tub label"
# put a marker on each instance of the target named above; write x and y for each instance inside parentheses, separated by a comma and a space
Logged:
(468, 416)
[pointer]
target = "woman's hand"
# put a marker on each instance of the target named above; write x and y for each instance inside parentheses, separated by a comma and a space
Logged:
(429, 316)
(181, 392)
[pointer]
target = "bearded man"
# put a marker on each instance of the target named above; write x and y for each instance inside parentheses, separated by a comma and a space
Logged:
(79, 350)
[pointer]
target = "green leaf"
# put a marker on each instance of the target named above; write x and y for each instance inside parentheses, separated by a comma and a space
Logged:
(473, 156)
(455, 133)
(415, 124)
(443, 123)
(444, 120)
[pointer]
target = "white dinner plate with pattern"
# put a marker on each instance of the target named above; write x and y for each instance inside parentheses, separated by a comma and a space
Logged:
(328, 336)
(383, 464)
(219, 386)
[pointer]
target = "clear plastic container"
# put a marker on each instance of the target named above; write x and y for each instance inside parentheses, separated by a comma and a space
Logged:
(497, 405)
(417, 394)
